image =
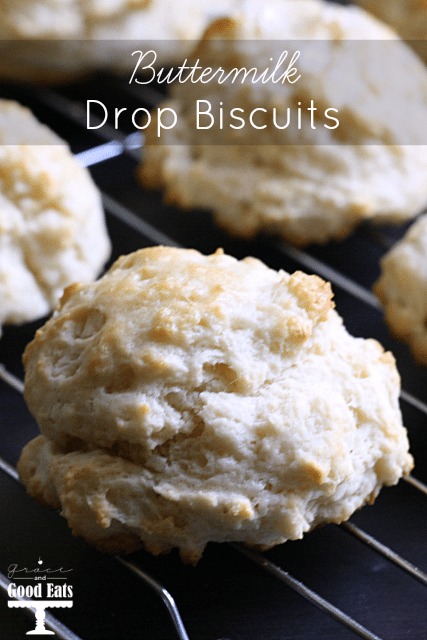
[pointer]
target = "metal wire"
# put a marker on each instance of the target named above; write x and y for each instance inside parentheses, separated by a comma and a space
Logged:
(11, 380)
(161, 592)
(329, 273)
(74, 112)
(414, 402)
(9, 470)
(136, 223)
(417, 484)
(307, 593)
(385, 551)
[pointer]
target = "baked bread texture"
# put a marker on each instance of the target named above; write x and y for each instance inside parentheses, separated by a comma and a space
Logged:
(407, 17)
(312, 184)
(186, 398)
(402, 288)
(61, 37)
(52, 227)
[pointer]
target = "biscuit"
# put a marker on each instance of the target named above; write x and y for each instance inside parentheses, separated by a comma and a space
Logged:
(52, 228)
(402, 289)
(185, 398)
(311, 185)
(55, 38)
(407, 17)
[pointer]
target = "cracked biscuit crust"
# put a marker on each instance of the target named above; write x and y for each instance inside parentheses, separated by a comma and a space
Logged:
(185, 398)
(402, 289)
(52, 229)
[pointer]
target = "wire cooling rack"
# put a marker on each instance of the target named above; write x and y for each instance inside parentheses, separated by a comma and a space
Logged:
(365, 578)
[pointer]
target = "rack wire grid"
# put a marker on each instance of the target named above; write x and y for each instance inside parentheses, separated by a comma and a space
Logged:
(366, 578)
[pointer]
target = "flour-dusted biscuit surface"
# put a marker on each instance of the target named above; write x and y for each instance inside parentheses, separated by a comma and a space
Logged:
(52, 228)
(408, 17)
(402, 288)
(185, 398)
(312, 184)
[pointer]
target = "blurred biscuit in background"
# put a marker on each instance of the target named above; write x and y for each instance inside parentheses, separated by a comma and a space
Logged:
(402, 288)
(309, 182)
(52, 227)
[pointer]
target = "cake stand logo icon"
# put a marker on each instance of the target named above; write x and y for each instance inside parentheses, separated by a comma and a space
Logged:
(39, 588)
